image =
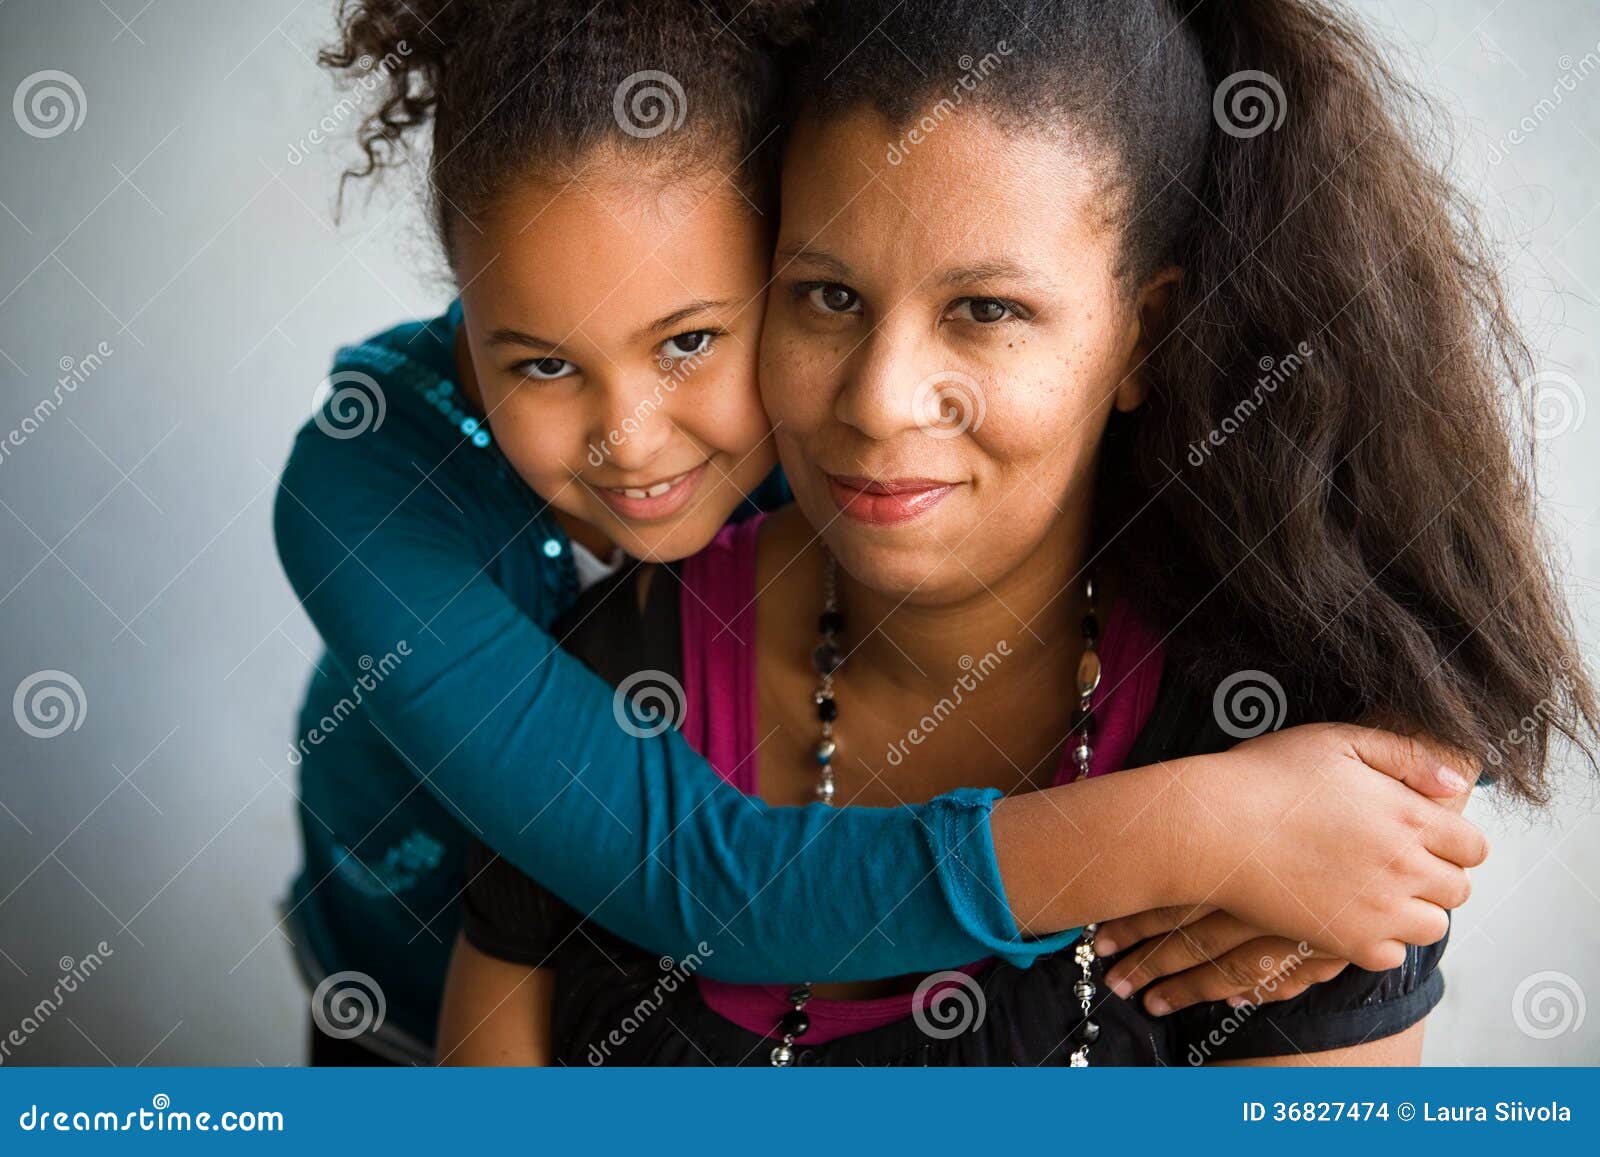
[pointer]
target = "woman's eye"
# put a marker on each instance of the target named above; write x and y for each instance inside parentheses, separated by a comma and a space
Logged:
(545, 369)
(833, 298)
(983, 310)
(687, 345)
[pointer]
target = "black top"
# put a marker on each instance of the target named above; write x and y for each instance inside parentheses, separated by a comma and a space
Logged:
(615, 1003)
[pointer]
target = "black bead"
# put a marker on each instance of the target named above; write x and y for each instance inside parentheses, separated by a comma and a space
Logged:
(794, 1022)
(1091, 628)
(1083, 723)
(827, 659)
(827, 710)
(830, 622)
(1086, 1033)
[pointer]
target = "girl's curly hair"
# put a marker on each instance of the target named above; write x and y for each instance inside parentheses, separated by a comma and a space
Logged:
(1364, 532)
(511, 86)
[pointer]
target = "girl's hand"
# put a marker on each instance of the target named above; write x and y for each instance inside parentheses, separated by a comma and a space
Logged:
(1293, 833)
(1196, 955)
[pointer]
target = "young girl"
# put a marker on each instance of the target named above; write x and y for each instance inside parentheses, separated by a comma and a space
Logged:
(594, 389)
(1057, 246)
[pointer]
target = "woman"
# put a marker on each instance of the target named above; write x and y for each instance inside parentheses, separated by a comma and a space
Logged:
(1075, 242)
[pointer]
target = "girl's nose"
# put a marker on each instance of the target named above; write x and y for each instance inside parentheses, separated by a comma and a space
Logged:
(634, 423)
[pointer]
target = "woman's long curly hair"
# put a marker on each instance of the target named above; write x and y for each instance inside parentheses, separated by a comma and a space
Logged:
(1357, 523)
(502, 89)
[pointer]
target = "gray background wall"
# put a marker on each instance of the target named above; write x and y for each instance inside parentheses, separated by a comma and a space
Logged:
(135, 549)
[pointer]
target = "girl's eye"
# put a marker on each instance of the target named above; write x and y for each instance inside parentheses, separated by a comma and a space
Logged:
(832, 297)
(983, 310)
(687, 345)
(545, 369)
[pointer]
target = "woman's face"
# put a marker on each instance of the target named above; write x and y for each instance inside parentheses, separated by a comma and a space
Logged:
(612, 321)
(944, 342)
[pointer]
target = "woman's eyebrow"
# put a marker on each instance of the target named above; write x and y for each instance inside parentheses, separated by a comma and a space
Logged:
(813, 256)
(988, 271)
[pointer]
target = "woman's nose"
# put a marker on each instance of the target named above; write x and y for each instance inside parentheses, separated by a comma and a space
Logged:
(894, 386)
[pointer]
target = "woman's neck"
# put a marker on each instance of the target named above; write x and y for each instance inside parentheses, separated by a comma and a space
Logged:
(1031, 616)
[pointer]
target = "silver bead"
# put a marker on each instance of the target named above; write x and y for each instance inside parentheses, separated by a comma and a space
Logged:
(825, 750)
(825, 790)
(1088, 672)
(782, 1055)
(1080, 1059)
(1083, 990)
(1081, 754)
(1083, 954)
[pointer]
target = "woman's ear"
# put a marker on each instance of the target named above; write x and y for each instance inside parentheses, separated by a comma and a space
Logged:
(1150, 311)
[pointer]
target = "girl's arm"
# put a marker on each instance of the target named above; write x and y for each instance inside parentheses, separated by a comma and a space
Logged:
(640, 834)
(495, 1012)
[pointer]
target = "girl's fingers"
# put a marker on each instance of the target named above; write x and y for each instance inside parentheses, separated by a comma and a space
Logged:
(1261, 971)
(1460, 841)
(1448, 889)
(1436, 772)
(1178, 950)
(1115, 935)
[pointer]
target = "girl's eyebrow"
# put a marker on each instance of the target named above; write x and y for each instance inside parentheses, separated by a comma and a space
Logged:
(517, 337)
(669, 320)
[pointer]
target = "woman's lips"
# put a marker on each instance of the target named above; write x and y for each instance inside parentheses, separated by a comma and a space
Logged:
(885, 501)
(656, 501)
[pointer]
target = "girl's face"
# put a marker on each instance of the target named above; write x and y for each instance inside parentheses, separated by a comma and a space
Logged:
(612, 320)
(944, 342)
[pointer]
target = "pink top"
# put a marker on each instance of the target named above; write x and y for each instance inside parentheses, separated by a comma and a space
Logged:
(718, 610)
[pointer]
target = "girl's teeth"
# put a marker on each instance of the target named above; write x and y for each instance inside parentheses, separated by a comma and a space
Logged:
(655, 491)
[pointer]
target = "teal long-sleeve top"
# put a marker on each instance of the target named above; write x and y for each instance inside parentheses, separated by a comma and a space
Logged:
(444, 709)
